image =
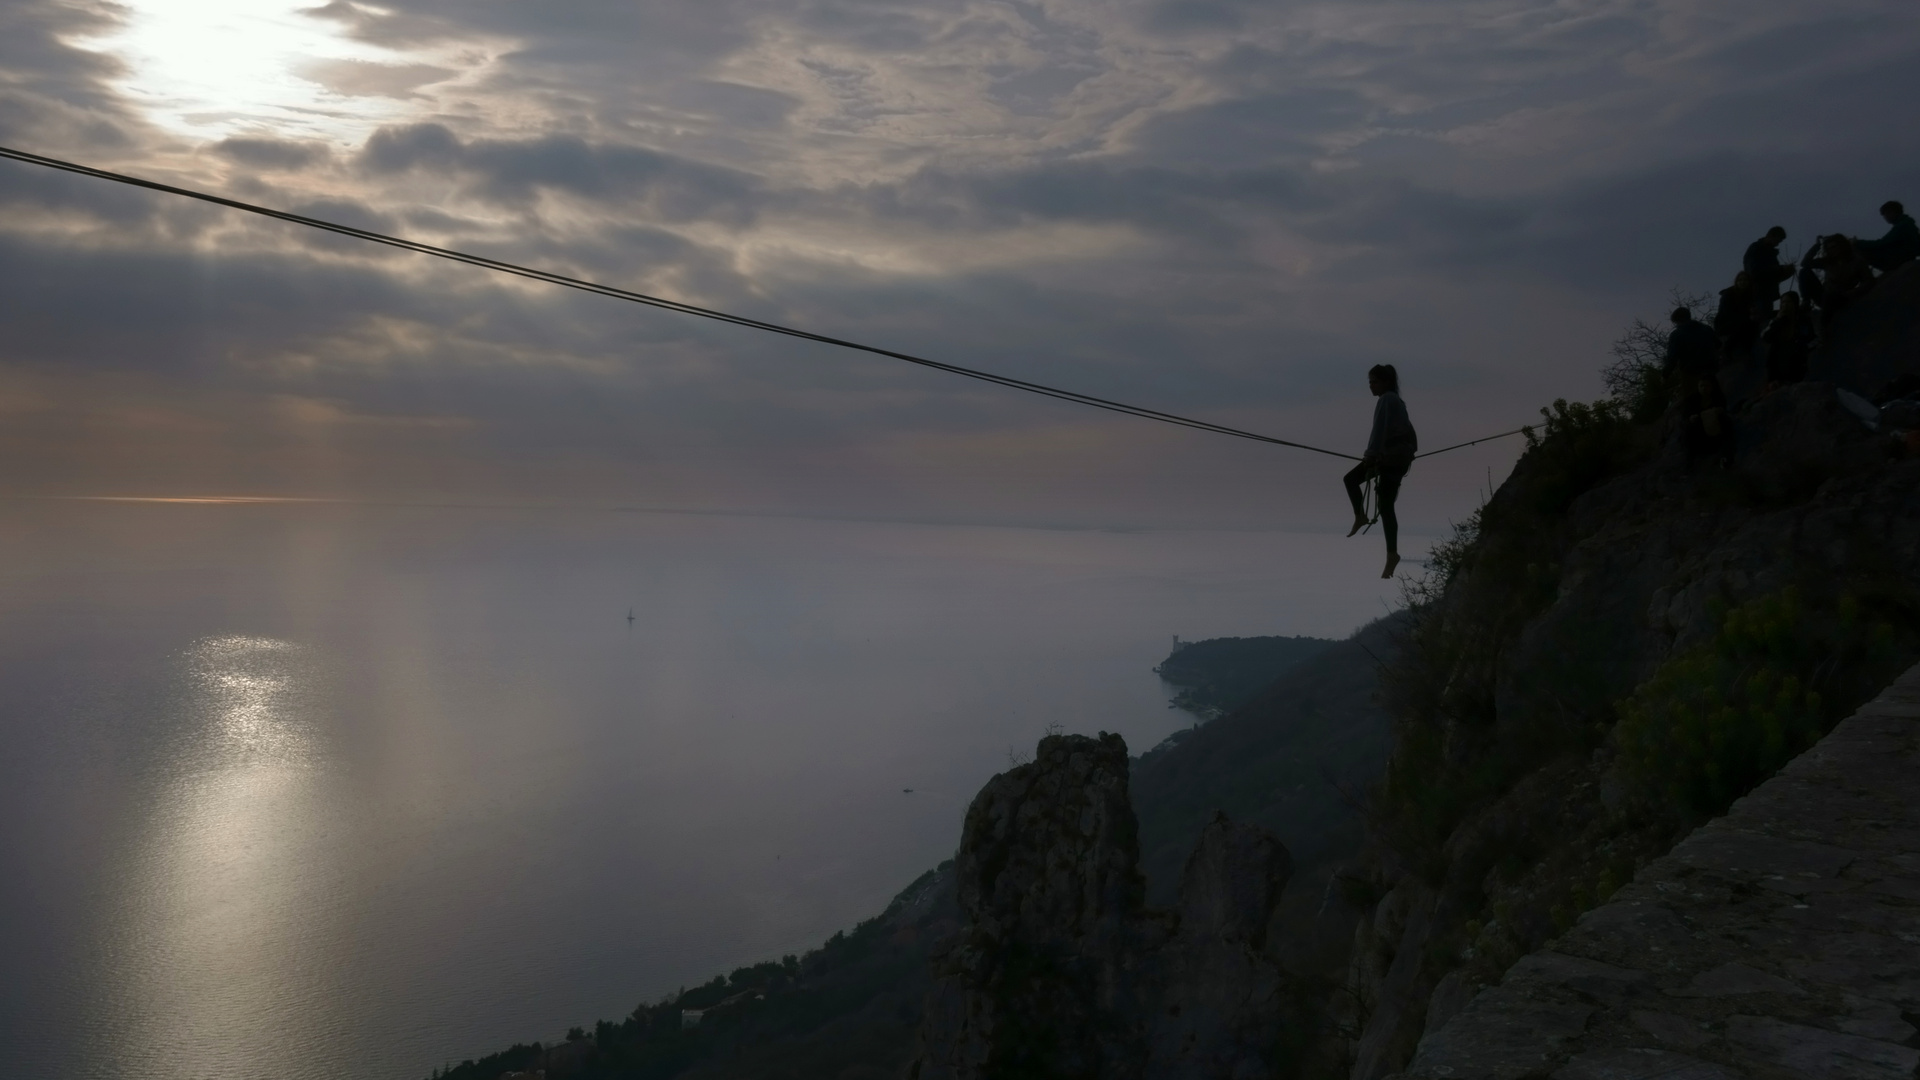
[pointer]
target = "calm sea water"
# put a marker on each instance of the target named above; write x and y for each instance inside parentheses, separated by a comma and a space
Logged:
(300, 791)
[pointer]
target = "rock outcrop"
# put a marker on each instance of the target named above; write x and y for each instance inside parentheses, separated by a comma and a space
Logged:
(1878, 337)
(1062, 971)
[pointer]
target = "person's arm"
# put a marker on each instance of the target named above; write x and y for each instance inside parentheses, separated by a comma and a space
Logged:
(1378, 437)
(1407, 441)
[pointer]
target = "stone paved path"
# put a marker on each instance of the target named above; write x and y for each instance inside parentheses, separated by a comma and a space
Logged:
(1782, 940)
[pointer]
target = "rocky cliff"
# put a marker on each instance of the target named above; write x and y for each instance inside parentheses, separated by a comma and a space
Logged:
(1622, 643)
(1063, 971)
(1632, 633)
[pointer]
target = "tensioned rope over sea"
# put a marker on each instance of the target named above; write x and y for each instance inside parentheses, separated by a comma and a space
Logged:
(663, 303)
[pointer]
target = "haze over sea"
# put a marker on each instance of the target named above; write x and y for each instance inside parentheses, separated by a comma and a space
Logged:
(294, 790)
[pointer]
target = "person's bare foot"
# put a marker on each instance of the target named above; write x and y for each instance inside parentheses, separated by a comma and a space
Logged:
(1358, 524)
(1393, 560)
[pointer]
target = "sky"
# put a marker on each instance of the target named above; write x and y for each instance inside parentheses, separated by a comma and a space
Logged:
(1223, 209)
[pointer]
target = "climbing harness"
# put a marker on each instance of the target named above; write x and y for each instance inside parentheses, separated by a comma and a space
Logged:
(501, 266)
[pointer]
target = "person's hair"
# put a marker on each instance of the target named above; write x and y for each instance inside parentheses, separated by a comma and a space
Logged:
(1742, 278)
(1776, 233)
(1386, 374)
(1840, 246)
(1892, 206)
(1681, 315)
(1789, 297)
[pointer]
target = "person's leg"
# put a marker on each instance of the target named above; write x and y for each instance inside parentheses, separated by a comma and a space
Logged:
(1387, 489)
(1354, 478)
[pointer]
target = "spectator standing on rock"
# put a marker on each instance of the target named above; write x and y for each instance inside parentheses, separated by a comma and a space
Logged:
(1733, 320)
(1789, 337)
(1900, 245)
(1847, 277)
(1708, 430)
(1693, 350)
(1812, 289)
(1764, 272)
(1389, 455)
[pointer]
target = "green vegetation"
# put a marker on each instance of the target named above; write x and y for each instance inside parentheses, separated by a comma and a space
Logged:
(1296, 760)
(846, 1005)
(1576, 447)
(1485, 585)
(1719, 718)
(1219, 675)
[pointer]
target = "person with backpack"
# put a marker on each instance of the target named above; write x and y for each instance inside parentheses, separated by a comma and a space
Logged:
(1390, 451)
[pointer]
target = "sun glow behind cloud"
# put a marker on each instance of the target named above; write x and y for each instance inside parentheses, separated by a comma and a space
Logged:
(220, 68)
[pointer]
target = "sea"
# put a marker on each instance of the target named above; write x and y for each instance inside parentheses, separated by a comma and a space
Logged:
(310, 790)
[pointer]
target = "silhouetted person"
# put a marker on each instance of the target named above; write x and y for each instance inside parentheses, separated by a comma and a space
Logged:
(1389, 455)
(1845, 277)
(1789, 338)
(1900, 245)
(1733, 320)
(1762, 264)
(1813, 291)
(1708, 432)
(1693, 350)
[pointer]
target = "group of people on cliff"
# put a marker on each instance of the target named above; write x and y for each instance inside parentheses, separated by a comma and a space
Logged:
(1757, 323)
(1778, 330)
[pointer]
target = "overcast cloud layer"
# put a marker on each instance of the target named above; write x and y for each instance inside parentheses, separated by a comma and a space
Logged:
(1220, 208)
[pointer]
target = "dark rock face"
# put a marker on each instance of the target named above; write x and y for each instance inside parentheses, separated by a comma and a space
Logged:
(1218, 991)
(1063, 972)
(1877, 338)
(1050, 888)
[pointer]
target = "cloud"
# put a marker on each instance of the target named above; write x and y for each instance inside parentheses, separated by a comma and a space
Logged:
(272, 153)
(1218, 207)
(670, 187)
(366, 78)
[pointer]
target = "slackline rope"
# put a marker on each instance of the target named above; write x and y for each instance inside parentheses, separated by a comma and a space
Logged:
(677, 306)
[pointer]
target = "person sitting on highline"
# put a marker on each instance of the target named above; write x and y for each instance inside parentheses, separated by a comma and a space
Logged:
(1900, 245)
(1389, 455)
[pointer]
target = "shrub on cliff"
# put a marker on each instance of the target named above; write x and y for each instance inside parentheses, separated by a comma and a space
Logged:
(1719, 718)
(1576, 447)
(1636, 378)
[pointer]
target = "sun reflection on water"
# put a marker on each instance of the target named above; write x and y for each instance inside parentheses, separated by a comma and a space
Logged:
(230, 886)
(248, 683)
